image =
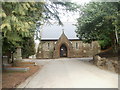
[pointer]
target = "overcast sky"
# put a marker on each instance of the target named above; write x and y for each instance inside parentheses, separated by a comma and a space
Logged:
(73, 16)
(54, 31)
(80, 1)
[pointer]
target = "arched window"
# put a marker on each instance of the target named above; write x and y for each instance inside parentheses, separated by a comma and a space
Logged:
(76, 45)
(48, 45)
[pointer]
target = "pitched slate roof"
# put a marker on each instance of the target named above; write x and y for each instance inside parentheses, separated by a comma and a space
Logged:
(53, 32)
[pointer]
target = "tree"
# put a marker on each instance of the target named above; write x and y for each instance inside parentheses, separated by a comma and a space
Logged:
(28, 47)
(17, 23)
(19, 20)
(100, 21)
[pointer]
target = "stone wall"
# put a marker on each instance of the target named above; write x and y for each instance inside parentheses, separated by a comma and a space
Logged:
(44, 51)
(77, 51)
(82, 49)
(111, 64)
(95, 47)
(74, 48)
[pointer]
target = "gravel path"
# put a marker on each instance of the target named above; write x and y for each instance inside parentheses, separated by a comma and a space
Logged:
(70, 73)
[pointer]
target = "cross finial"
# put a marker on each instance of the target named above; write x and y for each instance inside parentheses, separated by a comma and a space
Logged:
(63, 30)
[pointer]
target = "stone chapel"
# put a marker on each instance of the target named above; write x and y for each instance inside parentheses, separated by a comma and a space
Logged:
(66, 47)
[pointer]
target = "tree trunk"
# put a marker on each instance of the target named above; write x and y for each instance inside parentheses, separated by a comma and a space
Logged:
(12, 57)
(114, 38)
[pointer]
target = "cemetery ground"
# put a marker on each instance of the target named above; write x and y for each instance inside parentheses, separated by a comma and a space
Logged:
(12, 79)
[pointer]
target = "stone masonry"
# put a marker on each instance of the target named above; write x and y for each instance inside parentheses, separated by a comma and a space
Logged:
(111, 64)
(74, 48)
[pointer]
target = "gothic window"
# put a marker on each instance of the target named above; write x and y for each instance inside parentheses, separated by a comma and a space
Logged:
(76, 45)
(48, 45)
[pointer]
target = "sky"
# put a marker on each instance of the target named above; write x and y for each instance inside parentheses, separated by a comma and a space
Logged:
(80, 1)
(54, 31)
(72, 17)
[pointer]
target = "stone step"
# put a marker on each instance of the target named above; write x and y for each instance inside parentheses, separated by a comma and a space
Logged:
(17, 69)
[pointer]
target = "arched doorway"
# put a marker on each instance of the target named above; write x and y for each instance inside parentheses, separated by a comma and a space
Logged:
(63, 51)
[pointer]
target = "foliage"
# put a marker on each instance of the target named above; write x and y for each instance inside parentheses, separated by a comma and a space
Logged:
(28, 47)
(20, 20)
(99, 21)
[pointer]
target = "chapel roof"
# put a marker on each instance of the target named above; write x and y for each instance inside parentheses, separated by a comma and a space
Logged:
(54, 32)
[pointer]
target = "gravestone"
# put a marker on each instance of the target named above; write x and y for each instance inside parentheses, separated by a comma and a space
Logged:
(5, 59)
(18, 59)
(18, 54)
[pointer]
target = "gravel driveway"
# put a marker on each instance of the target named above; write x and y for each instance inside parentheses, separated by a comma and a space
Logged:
(70, 73)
